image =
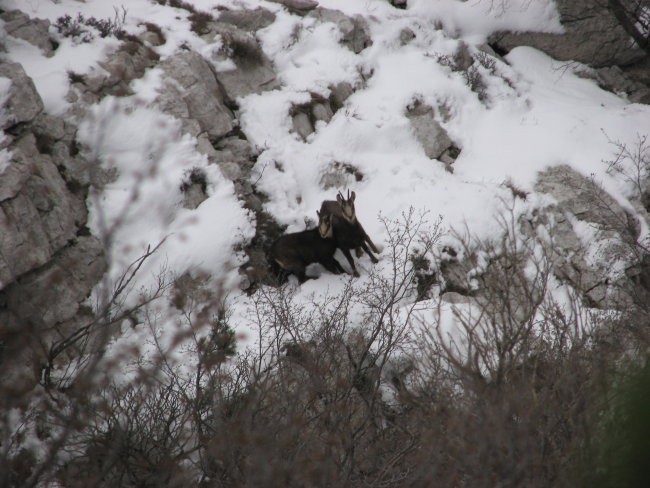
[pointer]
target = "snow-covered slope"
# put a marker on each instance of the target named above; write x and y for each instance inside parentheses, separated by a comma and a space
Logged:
(530, 112)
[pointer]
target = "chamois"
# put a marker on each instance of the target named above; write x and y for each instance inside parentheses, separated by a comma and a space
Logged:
(348, 231)
(293, 252)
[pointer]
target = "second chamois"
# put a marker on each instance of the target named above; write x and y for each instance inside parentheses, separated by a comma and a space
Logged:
(348, 231)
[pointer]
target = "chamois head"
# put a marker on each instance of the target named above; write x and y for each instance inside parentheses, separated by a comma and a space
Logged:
(325, 225)
(347, 206)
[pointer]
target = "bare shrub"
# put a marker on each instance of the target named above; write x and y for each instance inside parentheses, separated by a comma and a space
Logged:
(83, 29)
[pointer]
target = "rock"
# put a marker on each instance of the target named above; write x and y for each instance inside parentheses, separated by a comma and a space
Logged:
(60, 213)
(38, 216)
(193, 95)
(429, 133)
(126, 64)
(406, 35)
(592, 36)
(587, 266)
(322, 112)
(582, 197)
(299, 7)
(302, 125)
(23, 242)
(249, 20)
(616, 81)
(24, 103)
(254, 71)
(193, 196)
(34, 31)
(354, 30)
(48, 129)
(20, 168)
(339, 94)
(234, 157)
(52, 295)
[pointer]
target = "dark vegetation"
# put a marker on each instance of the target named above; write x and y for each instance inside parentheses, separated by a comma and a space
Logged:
(84, 29)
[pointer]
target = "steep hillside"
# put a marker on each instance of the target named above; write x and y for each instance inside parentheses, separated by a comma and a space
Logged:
(153, 150)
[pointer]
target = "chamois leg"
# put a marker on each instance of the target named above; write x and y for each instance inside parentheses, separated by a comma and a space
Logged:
(372, 257)
(348, 256)
(367, 239)
(332, 265)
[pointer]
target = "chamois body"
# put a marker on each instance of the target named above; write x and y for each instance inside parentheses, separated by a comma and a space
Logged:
(348, 232)
(294, 252)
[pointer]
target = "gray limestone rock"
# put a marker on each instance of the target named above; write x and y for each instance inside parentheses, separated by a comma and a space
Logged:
(34, 31)
(355, 33)
(340, 93)
(52, 295)
(38, 214)
(587, 265)
(299, 7)
(431, 135)
(254, 71)
(592, 36)
(248, 20)
(302, 125)
(24, 103)
(192, 94)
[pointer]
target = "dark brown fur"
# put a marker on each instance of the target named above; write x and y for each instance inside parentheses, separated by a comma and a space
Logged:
(348, 231)
(294, 252)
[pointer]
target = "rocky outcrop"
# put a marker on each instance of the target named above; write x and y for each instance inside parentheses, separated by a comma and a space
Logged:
(24, 102)
(616, 80)
(253, 71)
(592, 235)
(592, 36)
(299, 7)
(431, 135)
(355, 34)
(48, 262)
(192, 94)
(127, 63)
(305, 117)
(33, 30)
(248, 20)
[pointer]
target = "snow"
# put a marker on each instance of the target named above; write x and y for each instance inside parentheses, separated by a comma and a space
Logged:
(537, 112)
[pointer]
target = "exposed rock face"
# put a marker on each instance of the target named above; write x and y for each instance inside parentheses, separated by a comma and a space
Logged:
(24, 102)
(34, 31)
(593, 36)
(52, 294)
(306, 116)
(48, 264)
(432, 136)
(300, 7)
(193, 95)
(127, 63)
(253, 71)
(248, 20)
(615, 80)
(583, 204)
(354, 30)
